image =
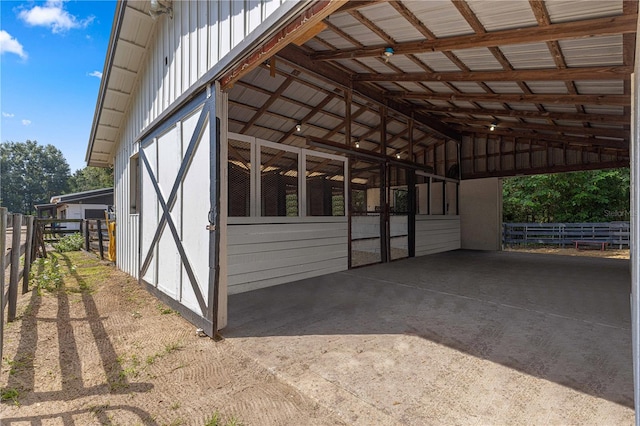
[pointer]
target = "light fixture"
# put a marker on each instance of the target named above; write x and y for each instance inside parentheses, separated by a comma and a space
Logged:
(493, 126)
(357, 144)
(298, 127)
(398, 155)
(388, 52)
(157, 8)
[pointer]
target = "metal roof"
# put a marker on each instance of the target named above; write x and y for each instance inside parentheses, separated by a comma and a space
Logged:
(555, 71)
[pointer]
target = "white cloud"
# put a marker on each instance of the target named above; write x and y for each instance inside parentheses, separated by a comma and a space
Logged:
(11, 45)
(26, 122)
(8, 114)
(53, 15)
(97, 74)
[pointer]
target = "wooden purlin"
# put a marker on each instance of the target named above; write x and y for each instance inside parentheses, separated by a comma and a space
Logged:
(615, 25)
(546, 98)
(304, 22)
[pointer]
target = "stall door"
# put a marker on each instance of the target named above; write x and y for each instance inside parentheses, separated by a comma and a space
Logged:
(178, 210)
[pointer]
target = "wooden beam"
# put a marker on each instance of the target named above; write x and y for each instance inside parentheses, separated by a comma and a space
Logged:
(622, 24)
(549, 74)
(592, 131)
(546, 170)
(564, 140)
(557, 99)
(304, 22)
(331, 74)
(570, 116)
(356, 4)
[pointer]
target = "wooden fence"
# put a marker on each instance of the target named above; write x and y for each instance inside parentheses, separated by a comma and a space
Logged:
(25, 235)
(563, 234)
(12, 228)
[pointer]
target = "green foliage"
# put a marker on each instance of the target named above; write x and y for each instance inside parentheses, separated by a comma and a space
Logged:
(91, 178)
(215, 420)
(72, 242)
(10, 394)
(30, 174)
(588, 196)
(46, 274)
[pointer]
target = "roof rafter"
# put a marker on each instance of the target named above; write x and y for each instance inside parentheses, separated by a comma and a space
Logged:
(548, 74)
(569, 30)
(562, 99)
(571, 116)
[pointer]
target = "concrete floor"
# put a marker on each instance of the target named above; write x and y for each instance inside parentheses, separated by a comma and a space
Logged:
(456, 338)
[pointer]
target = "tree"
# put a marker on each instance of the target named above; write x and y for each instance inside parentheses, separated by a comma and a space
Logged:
(30, 174)
(588, 196)
(91, 178)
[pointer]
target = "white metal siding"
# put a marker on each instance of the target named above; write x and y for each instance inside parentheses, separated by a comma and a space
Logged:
(197, 38)
(435, 234)
(264, 255)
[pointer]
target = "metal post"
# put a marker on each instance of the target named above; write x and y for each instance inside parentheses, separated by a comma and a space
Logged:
(634, 242)
(3, 266)
(15, 267)
(87, 243)
(27, 254)
(100, 246)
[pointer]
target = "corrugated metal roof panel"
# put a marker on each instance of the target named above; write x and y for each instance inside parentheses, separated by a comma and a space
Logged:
(559, 108)
(468, 87)
(539, 87)
(355, 29)
(504, 87)
(437, 61)
(412, 87)
(376, 65)
(523, 107)
(440, 17)
(604, 109)
(568, 10)
(438, 87)
(592, 51)
(478, 59)
(391, 22)
(335, 40)
(355, 66)
(490, 105)
(501, 15)
(405, 64)
(609, 87)
(529, 55)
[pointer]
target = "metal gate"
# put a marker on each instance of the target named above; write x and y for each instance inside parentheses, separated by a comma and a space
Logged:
(178, 238)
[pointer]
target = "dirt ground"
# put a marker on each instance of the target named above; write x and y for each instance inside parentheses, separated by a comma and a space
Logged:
(101, 350)
(609, 253)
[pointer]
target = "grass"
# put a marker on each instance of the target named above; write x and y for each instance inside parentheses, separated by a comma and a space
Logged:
(10, 394)
(216, 420)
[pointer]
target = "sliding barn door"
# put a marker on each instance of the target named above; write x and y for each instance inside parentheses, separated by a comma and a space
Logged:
(178, 250)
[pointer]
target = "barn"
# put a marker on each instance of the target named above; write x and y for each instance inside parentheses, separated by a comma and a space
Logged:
(263, 142)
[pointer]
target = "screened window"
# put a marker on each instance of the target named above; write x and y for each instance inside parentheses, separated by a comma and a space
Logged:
(325, 186)
(239, 178)
(278, 182)
(268, 179)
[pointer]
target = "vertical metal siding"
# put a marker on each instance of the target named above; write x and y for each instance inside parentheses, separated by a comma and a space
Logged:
(195, 40)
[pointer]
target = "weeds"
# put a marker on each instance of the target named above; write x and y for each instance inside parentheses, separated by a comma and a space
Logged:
(73, 242)
(215, 420)
(10, 394)
(47, 274)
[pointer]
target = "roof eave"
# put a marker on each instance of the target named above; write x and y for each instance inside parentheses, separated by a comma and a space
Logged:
(106, 74)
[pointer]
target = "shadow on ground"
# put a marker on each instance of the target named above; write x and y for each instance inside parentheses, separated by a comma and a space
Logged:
(565, 320)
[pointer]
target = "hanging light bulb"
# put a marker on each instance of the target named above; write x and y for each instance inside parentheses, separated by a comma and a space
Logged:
(357, 144)
(493, 126)
(298, 127)
(398, 155)
(388, 52)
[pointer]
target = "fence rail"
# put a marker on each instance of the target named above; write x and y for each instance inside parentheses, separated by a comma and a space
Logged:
(12, 228)
(25, 235)
(563, 234)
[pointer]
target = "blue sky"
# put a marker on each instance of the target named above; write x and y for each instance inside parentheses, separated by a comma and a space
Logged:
(51, 59)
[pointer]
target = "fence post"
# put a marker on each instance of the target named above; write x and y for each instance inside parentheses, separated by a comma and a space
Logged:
(87, 242)
(27, 254)
(15, 266)
(100, 246)
(3, 266)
